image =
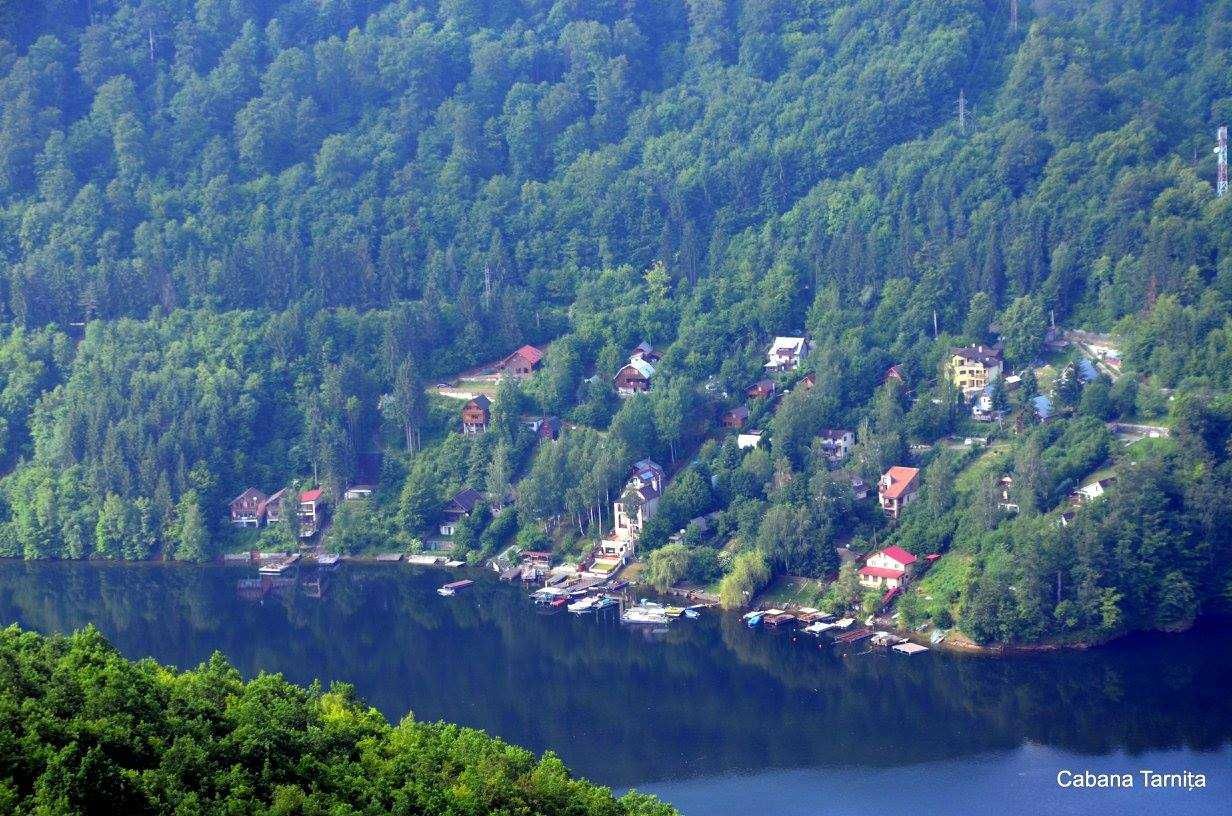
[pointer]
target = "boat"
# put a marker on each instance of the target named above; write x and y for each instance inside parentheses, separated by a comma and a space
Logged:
(817, 627)
(558, 601)
(753, 619)
(583, 606)
(674, 611)
(644, 615)
(546, 595)
(453, 587)
(692, 614)
(604, 602)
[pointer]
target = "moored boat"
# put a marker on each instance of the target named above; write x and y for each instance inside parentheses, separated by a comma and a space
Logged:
(453, 587)
(583, 606)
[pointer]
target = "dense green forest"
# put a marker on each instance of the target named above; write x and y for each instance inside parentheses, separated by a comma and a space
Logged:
(85, 731)
(241, 237)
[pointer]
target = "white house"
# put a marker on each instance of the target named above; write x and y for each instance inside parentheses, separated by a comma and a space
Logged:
(886, 569)
(638, 501)
(1090, 492)
(836, 444)
(786, 352)
(748, 440)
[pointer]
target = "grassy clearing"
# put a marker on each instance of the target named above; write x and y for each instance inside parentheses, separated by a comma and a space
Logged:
(942, 587)
(791, 590)
(991, 460)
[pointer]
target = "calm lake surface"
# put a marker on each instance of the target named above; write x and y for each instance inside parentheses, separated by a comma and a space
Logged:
(714, 717)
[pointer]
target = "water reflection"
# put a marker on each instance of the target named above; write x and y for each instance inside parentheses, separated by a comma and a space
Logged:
(710, 697)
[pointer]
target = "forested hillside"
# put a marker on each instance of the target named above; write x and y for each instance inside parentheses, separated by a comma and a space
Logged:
(99, 734)
(240, 237)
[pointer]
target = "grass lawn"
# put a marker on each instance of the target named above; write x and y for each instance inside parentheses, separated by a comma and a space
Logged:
(991, 460)
(787, 590)
(943, 585)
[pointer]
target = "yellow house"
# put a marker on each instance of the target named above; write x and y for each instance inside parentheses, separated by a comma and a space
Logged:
(974, 367)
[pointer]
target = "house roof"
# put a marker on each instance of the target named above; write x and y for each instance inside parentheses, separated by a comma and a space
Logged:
(739, 412)
(250, 493)
(528, 353)
(480, 401)
(1087, 370)
(900, 478)
(837, 434)
(787, 344)
(466, 499)
(311, 495)
(899, 554)
(881, 572)
(641, 366)
(984, 355)
(763, 384)
(895, 371)
(1042, 405)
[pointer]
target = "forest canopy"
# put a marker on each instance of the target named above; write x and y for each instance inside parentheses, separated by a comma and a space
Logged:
(241, 241)
(84, 730)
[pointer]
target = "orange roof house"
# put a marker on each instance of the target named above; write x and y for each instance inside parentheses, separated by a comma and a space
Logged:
(898, 488)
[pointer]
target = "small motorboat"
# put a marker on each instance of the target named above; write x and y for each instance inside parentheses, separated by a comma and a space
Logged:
(453, 587)
(644, 615)
(559, 601)
(674, 611)
(692, 614)
(753, 619)
(583, 606)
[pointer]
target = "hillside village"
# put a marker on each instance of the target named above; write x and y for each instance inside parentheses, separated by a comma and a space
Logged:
(700, 546)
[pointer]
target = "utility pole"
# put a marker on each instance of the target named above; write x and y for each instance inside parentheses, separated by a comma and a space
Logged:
(1221, 152)
(962, 111)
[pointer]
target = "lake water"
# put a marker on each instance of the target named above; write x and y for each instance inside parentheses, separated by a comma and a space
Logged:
(716, 718)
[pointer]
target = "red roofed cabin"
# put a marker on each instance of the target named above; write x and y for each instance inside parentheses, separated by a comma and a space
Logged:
(248, 508)
(897, 489)
(888, 568)
(476, 414)
(521, 364)
(311, 512)
(761, 389)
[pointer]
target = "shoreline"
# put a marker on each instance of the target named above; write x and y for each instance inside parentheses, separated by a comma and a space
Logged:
(963, 645)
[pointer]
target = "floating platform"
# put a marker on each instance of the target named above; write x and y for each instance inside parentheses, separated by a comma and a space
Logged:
(910, 648)
(848, 638)
(277, 566)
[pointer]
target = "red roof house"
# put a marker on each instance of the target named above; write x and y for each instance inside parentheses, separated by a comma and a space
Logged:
(521, 363)
(887, 568)
(898, 488)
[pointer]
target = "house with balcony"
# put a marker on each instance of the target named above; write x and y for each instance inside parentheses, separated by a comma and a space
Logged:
(887, 569)
(898, 488)
(973, 368)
